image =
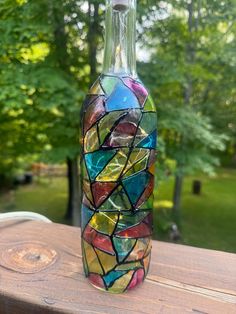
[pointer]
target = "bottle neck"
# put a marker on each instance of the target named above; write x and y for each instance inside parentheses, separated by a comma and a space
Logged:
(119, 54)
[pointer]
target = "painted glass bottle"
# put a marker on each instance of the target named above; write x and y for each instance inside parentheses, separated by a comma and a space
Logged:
(119, 141)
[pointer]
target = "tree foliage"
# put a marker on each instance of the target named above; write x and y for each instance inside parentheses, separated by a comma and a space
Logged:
(50, 51)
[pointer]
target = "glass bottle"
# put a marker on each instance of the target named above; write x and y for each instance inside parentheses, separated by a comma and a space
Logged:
(119, 141)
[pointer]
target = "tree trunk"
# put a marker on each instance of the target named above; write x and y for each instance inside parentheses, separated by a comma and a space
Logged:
(73, 205)
(177, 197)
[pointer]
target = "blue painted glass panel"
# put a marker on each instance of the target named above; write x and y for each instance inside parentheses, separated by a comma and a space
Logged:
(149, 141)
(96, 161)
(122, 98)
(135, 185)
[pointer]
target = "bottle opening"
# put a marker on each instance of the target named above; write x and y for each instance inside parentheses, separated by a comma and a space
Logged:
(120, 5)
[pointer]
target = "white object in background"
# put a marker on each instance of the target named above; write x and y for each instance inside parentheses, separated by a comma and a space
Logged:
(24, 216)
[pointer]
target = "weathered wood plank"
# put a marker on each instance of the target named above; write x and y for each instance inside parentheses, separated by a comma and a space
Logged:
(41, 272)
(210, 269)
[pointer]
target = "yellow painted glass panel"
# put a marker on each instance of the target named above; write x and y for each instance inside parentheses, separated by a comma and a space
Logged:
(129, 266)
(96, 89)
(91, 258)
(91, 142)
(104, 222)
(146, 262)
(108, 261)
(121, 283)
(138, 166)
(135, 156)
(139, 249)
(152, 169)
(114, 168)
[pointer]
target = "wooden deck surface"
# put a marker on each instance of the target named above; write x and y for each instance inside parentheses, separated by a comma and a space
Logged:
(41, 272)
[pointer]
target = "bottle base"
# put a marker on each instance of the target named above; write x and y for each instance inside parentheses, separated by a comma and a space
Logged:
(126, 282)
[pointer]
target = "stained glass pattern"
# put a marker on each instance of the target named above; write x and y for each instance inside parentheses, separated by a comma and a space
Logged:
(119, 127)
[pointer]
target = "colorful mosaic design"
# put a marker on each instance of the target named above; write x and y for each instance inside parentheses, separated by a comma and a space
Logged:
(119, 141)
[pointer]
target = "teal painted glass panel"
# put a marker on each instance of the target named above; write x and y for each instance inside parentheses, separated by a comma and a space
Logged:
(149, 141)
(113, 275)
(86, 215)
(96, 161)
(123, 247)
(135, 185)
(122, 98)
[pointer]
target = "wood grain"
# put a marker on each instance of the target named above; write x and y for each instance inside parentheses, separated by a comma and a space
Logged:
(41, 272)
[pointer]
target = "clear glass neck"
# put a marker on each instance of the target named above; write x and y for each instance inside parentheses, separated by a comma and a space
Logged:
(119, 54)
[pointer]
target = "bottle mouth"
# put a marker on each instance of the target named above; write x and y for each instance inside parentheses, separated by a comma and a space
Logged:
(120, 5)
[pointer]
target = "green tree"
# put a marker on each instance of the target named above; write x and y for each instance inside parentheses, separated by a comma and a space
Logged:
(45, 72)
(185, 74)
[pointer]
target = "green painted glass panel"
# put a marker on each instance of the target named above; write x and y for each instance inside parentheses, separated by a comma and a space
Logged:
(148, 204)
(107, 123)
(149, 104)
(85, 265)
(129, 219)
(108, 83)
(117, 201)
(146, 127)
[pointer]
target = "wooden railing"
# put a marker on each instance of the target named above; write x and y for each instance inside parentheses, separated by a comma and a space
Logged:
(41, 272)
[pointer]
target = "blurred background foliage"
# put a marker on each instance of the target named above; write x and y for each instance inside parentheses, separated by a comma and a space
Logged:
(51, 51)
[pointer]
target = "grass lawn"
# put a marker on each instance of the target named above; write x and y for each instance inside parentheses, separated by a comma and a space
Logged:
(208, 220)
(47, 197)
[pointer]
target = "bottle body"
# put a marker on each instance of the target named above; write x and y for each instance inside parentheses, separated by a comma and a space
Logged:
(119, 141)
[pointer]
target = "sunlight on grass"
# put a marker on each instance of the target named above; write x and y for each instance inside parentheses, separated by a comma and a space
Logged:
(163, 204)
